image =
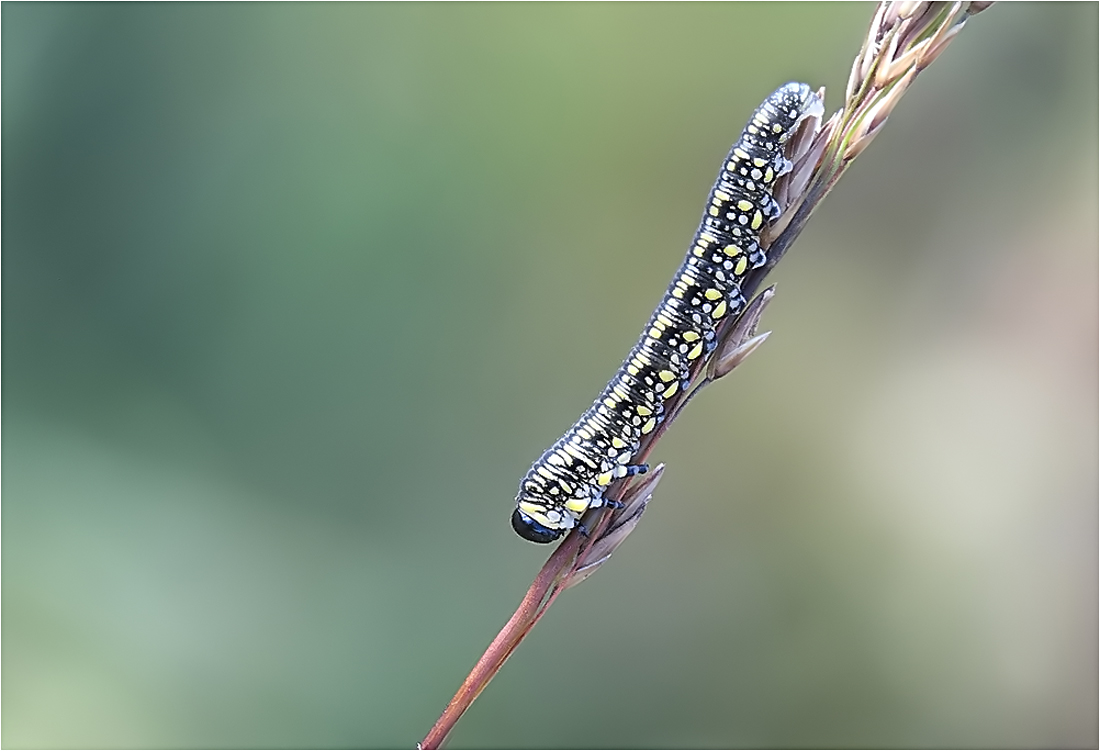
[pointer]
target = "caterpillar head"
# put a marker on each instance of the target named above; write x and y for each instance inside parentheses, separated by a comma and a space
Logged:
(529, 529)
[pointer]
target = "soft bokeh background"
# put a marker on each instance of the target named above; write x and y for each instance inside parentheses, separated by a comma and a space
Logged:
(293, 295)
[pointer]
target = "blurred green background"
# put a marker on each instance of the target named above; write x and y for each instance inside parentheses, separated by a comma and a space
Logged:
(294, 294)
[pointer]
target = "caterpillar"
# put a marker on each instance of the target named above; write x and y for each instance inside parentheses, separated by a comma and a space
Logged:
(571, 476)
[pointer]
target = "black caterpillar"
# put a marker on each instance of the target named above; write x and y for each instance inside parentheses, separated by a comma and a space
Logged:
(571, 476)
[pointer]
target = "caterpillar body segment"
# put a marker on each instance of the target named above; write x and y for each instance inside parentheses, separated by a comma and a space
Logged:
(571, 476)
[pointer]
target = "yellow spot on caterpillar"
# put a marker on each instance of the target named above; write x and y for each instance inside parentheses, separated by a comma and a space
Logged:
(758, 162)
(741, 153)
(690, 336)
(565, 486)
(650, 424)
(583, 433)
(769, 175)
(609, 402)
(655, 332)
(721, 195)
(670, 390)
(544, 472)
(777, 128)
(632, 370)
(707, 237)
(712, 211)
(678, 293)
(620, 392)
(696, 351)
(644, 411)
(719, 310)
(618, 443)
(699, 250)
(731, 166)
(731, 250)
(666, 375)
(744, 205)
(742, 264)
(529, 508)
(757, 220)
(604, 479)
(753, 129)
(555, 459)
(577, 505)
(664, 319)
(712, 294)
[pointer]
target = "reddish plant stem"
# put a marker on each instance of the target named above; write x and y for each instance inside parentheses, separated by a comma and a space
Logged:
(530, 609)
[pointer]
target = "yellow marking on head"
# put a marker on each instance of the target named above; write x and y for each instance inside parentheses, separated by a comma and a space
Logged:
(719, 310)
(742, 264)
(650, 424)
(712, 294)
(644, 411)
(604, 479)
(731, 250)
(577, 505)
(666, 375)
(691, 336)
(695, 351)
(670, 390)
(744, 205)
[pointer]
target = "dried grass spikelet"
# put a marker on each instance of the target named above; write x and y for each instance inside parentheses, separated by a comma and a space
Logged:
(903, 39)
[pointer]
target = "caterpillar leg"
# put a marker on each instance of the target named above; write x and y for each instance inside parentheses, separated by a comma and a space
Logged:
(783, 165)
(620, 471)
